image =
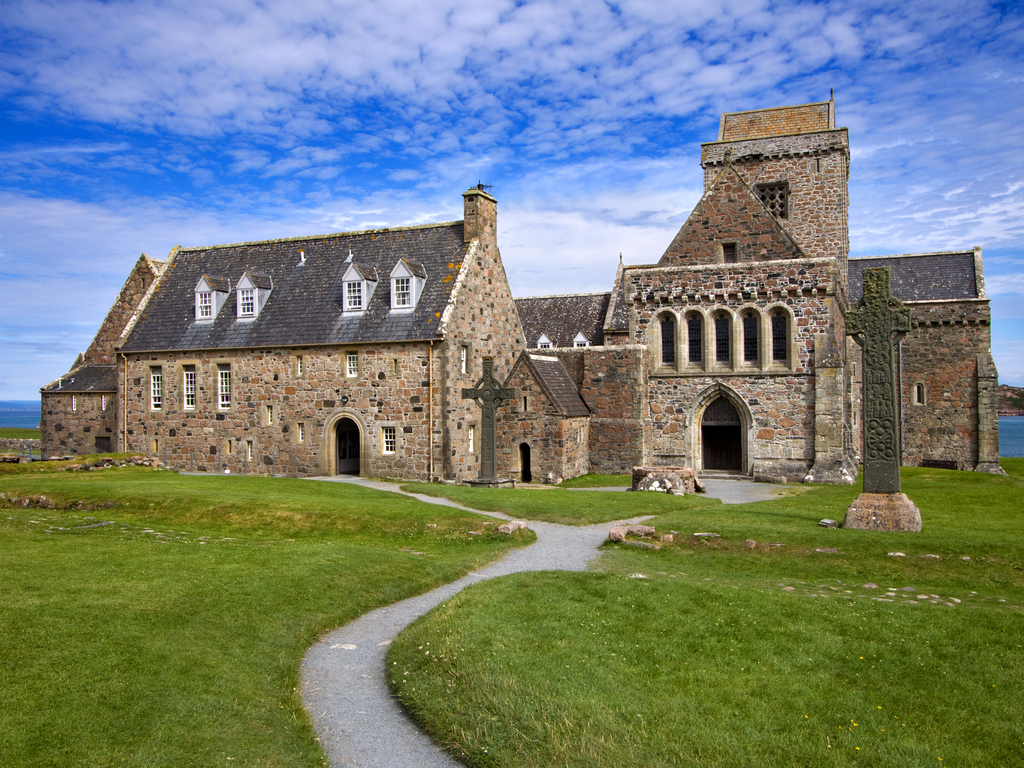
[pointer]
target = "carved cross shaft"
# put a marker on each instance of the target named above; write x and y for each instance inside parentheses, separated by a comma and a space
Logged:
(877, 324)
(489, 394)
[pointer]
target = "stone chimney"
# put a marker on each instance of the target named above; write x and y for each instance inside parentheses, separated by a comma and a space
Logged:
(481, 216)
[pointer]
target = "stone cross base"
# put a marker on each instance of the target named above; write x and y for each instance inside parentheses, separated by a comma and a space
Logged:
(883, 512)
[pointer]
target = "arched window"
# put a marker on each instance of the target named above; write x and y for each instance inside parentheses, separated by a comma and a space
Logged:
(722, 332)
(919, 394)
(695, 331)
(668, 340)
(750, 334)
(780, 336)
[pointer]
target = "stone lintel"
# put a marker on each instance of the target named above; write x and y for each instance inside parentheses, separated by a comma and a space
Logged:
(883, 512)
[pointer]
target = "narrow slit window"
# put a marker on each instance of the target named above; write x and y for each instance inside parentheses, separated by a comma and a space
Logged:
(750, 338)
(780, 337)
(668, 341)
(722, 339)
(695, 330)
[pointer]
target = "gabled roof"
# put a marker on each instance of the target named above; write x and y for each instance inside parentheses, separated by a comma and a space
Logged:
(562, 317)
(616, 319)
(555, 381)
(261, 281)
(730, 212)
(365, 271)
(219, 284)
(91, 378)
(305, 307)
(921, 276)
(414, 268)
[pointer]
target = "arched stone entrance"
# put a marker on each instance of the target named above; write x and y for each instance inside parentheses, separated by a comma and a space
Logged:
(524, 463)
(346, 447)
(722, 436)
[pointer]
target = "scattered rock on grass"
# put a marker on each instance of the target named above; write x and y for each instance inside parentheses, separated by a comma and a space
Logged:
(511, 527)
(828, 523)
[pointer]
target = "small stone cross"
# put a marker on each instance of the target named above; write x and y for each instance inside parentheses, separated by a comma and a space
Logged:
(877, 324)
(489, 394)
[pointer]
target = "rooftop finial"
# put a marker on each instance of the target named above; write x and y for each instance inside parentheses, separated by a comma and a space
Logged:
(620, 257)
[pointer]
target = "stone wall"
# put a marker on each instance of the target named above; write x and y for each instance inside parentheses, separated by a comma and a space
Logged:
(613, 383)
(101, 351)
(70, 423)
(558, 445)
(296, 435)
(16, 445)
(482, 319)
(941, 352)
(778, 121)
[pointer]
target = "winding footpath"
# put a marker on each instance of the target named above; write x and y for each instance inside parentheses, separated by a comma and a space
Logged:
(357, 720)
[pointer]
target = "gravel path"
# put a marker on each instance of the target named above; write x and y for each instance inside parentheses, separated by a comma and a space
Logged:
(356, 719)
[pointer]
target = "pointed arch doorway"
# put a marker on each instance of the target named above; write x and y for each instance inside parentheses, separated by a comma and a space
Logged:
(722, 436)
(346, 440)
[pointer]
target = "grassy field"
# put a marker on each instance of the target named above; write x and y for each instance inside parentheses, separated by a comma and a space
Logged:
(598, 481)
(553, 504)
(717, 653)
(17, 433)
(161, 620)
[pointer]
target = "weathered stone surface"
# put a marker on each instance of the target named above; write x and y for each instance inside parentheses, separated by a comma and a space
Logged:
(640, 530)
(750, 544)
(667, 479)
(511, 526)
(883, 512)
(617, 534)
(489, 395)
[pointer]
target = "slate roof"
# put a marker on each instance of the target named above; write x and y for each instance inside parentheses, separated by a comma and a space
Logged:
(562, 317)
(91, 378)
(219, 284)
(557, 384)
(305, 305)
(921, 276)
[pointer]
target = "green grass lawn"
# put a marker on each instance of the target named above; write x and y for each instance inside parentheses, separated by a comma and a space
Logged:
(17, 433)
(713, 653)
(598, 481)
(553, 504)
(172, 636)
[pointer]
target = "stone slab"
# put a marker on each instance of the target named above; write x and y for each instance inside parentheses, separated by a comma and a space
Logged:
(883, 512)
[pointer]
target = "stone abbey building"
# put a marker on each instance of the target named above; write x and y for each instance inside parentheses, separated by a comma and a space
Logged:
(349, 352)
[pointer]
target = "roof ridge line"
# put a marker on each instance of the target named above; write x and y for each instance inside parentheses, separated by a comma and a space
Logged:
(301, 238)
(562, 295)
(907, 255)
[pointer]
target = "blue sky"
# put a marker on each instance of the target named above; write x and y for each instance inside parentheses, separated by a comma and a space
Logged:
(129, 127)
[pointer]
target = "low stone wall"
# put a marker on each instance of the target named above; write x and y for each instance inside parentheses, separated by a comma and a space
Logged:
(8, 444)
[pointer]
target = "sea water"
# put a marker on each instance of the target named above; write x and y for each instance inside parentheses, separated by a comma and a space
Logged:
(1011, 436)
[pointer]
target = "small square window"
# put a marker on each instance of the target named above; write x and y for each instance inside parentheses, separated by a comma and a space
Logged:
(775, 198)
(388, 439)
(403, 292)
(204, 305)
(247, 302)
(353, 296)
(351, 364)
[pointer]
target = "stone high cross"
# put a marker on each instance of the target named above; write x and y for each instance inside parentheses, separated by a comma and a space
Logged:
(489, 394)
(877, 324)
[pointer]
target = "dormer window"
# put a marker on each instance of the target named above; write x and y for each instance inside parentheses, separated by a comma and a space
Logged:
(581, 340)
(407, 280)
(251, 294)
(360, 281)
(211, 292)
(543, 342)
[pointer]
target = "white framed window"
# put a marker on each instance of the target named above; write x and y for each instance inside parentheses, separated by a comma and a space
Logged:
(388, 439)
(353, 296)
(270, 415)
(103, 402)
(403, 292)
(300, 432)
(247, 302)
(223, 387)
(188, 388)
(156, 389)
(204, 305)
(300, 365)
(543, 342)
(74, 403)
(351, 364)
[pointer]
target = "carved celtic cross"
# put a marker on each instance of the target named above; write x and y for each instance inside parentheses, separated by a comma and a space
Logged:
(489, 394)
(877, 324)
